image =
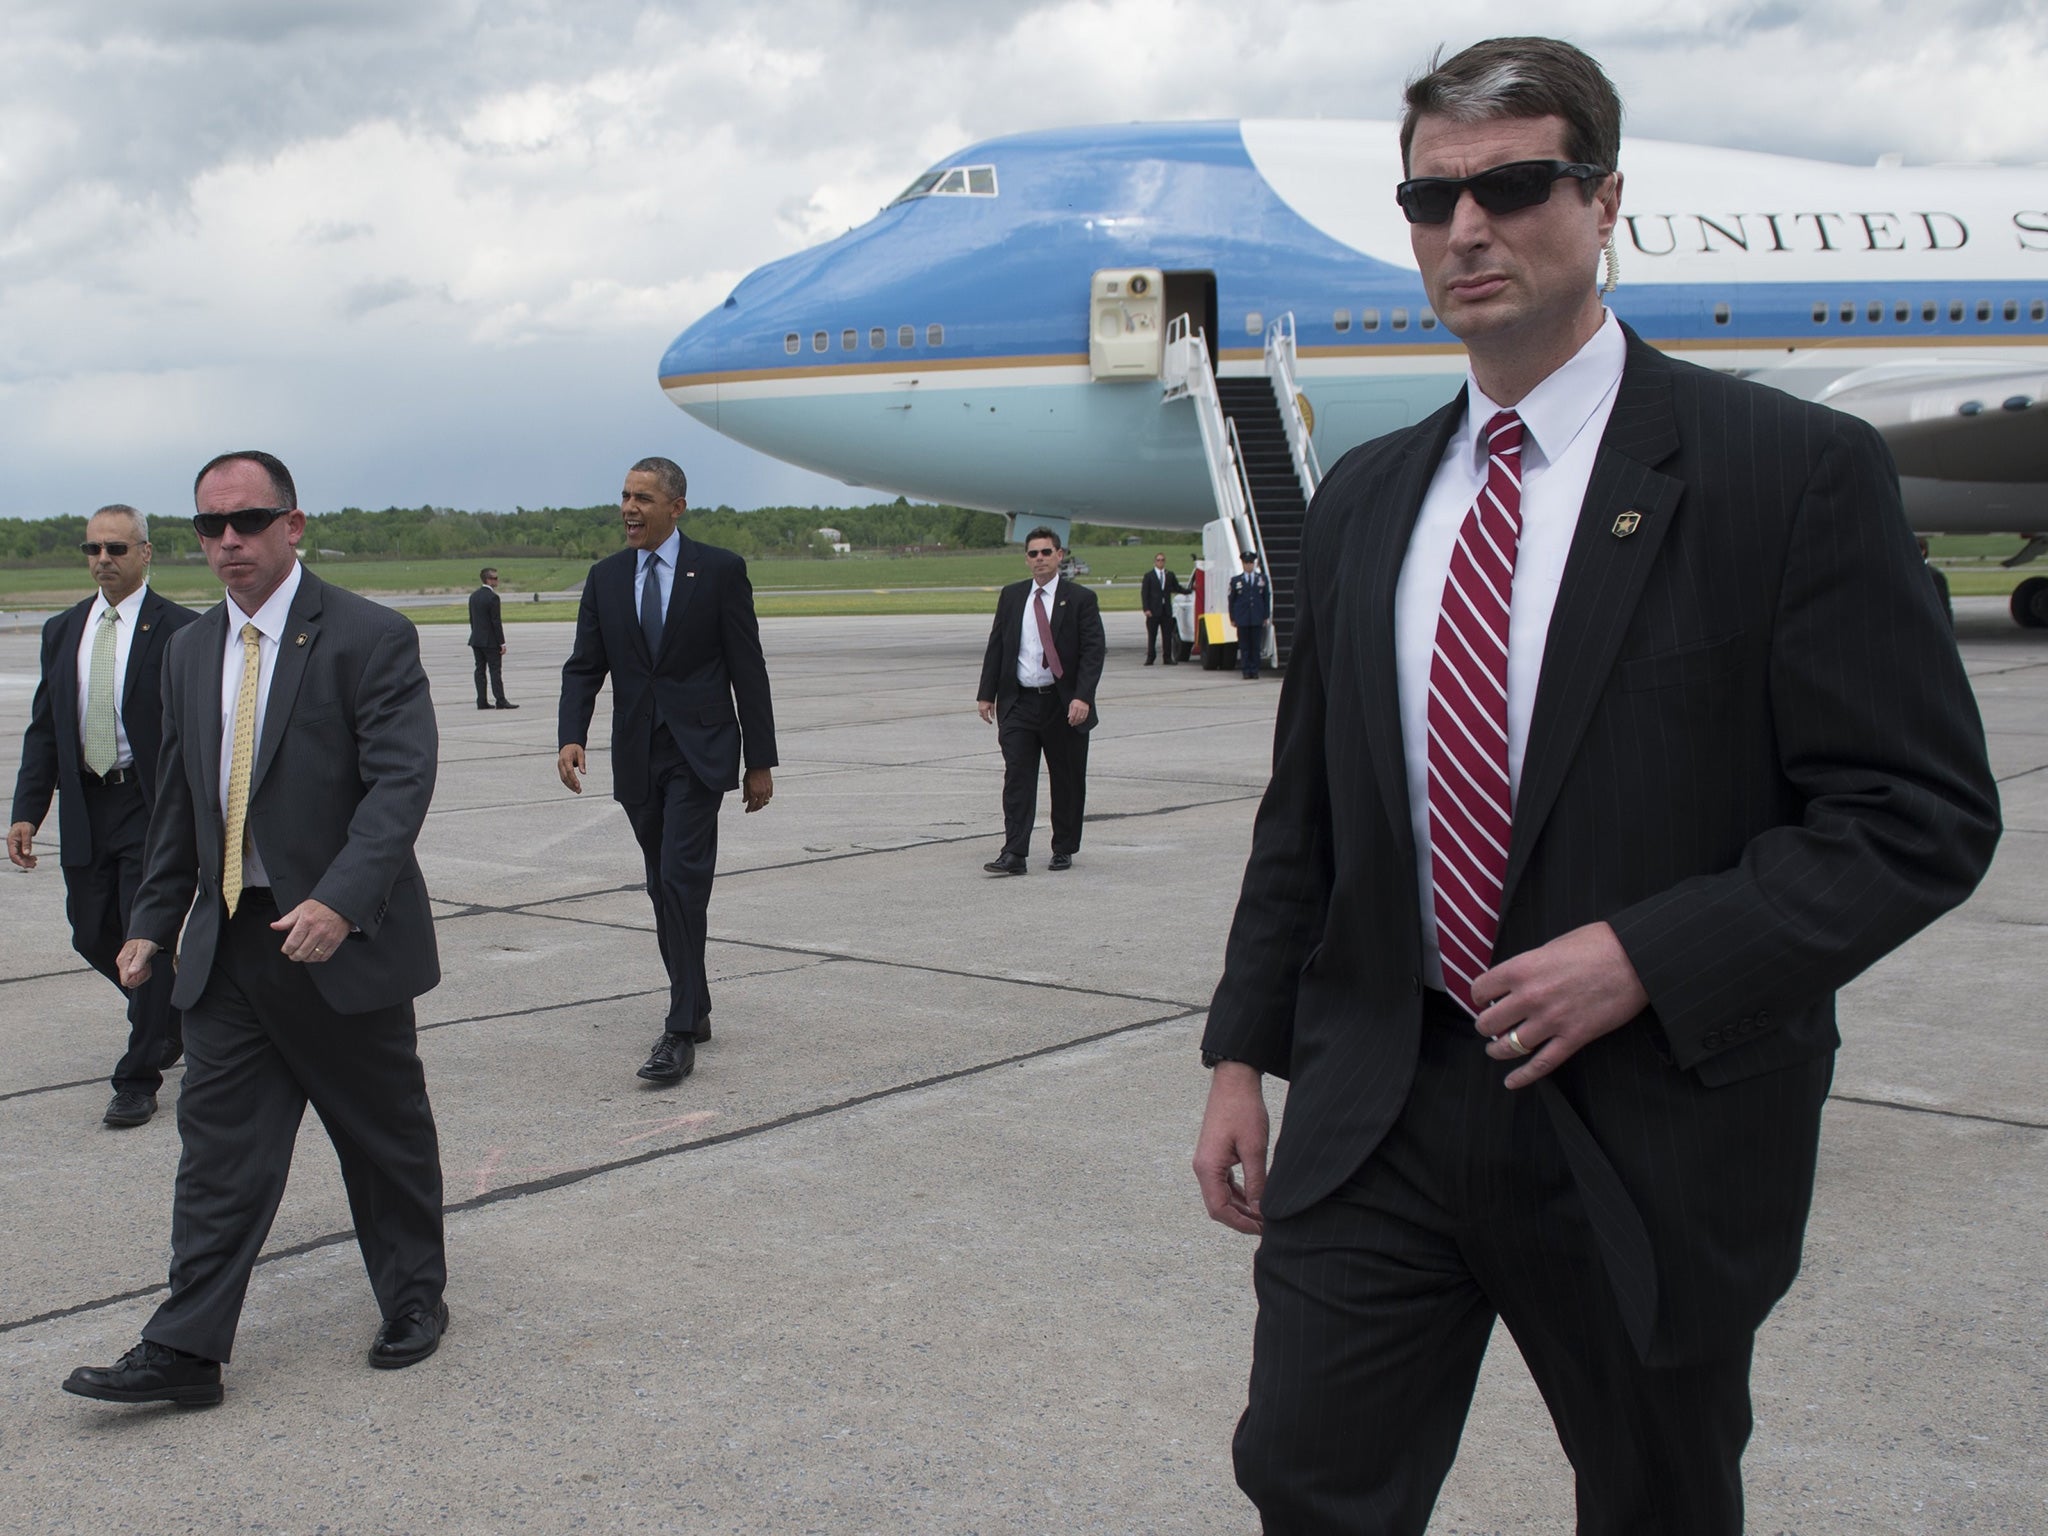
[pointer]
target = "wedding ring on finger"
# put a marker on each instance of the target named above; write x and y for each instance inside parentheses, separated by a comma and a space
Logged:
(1514, 1040)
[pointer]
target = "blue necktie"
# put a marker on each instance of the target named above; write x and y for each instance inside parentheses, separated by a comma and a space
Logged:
(650, 604)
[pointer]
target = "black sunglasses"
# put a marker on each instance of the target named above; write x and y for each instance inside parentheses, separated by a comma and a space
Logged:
(1504, 189)
(248, 522)
(1039, 554)
(91, 549)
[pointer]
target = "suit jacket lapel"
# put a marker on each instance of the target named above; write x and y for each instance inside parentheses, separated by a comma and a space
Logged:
(1603, 579)
(63, 678)
(301, 634)
(146, 618)
(680, 591)
(208, 664)
(1373, 571)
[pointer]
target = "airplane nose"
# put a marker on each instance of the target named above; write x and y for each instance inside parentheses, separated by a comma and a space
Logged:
(689, 369)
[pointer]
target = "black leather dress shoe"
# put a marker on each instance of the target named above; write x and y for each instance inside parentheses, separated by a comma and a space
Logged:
(409, 1338)
(503, 705)
(127, 1109)
(1061, 861)
(1007, 864)
(150, 1373)
(671, 1060)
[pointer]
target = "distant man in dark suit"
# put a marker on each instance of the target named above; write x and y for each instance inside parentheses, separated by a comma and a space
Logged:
(487, 639)
(1156, 596)
(298, 761)
(92, 737)
(671, 621)
(1038, 679)
(1593, 780)
(1251, 606)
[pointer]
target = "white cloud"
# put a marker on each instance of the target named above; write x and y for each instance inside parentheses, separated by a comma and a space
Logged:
(438, 247)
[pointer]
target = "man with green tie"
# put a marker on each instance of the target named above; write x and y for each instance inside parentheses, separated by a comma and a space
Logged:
(92, 743)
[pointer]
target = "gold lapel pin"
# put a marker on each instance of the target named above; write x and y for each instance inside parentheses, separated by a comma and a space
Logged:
(145, 629)
(690, 574)
(1627, 524)
(300, 641)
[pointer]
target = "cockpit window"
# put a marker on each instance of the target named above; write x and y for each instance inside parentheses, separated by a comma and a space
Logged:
(953, 181)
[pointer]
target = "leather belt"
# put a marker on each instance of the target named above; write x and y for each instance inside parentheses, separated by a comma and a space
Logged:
(1046, 688)
(110, 777)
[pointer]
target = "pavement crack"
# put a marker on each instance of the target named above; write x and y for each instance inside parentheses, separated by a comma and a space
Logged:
(1937, 1111)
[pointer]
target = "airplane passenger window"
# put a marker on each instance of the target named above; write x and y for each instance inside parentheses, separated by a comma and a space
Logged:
(1820, 314)
(1902, 313)
(935, 335)
(2038, 310)
(1400, 319)
(1369, 319)
(1927, 311)
(878, 338)
(2012, 309)
(1848, 313)
(1983, 309)
(1721, 314)
(1955, 309)
(1341, 320)
(981, 180)
(792, 343)
(906, 336)
(1254, 323)
(820, 341)
(1874, 313)
(1429, 319)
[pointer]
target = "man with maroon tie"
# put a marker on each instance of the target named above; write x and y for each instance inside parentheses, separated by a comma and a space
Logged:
(1038, 680)
(1593, 781)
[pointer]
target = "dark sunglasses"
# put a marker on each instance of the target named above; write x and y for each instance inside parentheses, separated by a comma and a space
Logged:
(91, 549)
(248, 522)
(1504, 189)
(1040, 554)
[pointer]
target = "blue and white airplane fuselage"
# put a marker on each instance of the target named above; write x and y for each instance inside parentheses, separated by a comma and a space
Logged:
(941, 350)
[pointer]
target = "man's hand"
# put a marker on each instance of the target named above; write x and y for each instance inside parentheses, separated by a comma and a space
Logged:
(1077, 714)
(312, 931)
(132, 964)
(21, 844)
(757, 788)
(1234, 1133)
(569, 764)
(1557, 999)
(501, 650)
(988, 710)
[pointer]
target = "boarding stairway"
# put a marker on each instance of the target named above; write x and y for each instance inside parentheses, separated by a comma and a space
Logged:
(1262, 461)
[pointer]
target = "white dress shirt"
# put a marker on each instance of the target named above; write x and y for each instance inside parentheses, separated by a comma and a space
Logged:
(1032, 671)
(270, 622)
(128, 613)
(670, 549)
(1563, 419)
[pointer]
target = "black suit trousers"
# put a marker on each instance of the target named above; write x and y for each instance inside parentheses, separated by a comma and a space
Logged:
(677, 828)
(260, 1044)
(490, 662)
(1034, 726)
(1375, 1306)
(1160, 627)
(97, 899)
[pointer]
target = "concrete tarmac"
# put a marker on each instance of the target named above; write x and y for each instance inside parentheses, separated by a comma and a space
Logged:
(917, 1247)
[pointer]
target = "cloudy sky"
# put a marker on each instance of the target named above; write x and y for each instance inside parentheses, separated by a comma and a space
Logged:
(432, 250)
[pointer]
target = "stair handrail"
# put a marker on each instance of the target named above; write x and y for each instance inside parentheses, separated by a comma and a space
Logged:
(1186, 375)
(1280, 360)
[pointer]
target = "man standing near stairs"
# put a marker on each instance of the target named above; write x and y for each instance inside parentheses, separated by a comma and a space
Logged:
(1157, 595)
(1251, 605)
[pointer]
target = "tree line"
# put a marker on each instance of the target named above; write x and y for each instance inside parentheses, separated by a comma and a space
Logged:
(582, 533)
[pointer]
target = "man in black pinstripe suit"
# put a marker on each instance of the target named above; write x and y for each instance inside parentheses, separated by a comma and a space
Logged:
(1621, 730)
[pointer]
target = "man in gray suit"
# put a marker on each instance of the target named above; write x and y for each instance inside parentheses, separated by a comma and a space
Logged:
(297, 763)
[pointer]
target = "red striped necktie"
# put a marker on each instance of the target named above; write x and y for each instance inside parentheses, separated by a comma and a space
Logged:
(1470, 798)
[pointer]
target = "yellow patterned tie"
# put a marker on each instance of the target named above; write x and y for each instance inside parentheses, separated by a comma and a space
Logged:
(238, 769)
(100, 743)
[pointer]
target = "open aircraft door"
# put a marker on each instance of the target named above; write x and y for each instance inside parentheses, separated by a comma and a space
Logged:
(1126, 323)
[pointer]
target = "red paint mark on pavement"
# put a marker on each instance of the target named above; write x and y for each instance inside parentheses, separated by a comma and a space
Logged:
(671, 1123)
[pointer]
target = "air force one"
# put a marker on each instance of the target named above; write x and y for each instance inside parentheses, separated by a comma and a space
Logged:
(1178, 324)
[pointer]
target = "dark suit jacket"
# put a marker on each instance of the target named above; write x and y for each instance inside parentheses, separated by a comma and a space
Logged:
(710, 659)
(1251, 599)
(49, 748)
(1076, 634)
(1754, 752)
(486, 625)
(343, 774)
(1157, 594)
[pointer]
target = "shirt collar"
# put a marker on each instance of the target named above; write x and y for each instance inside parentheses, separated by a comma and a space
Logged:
(128, 607)
(1051, 588)
(1556, 411)
(669, 548)
(269, 619)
